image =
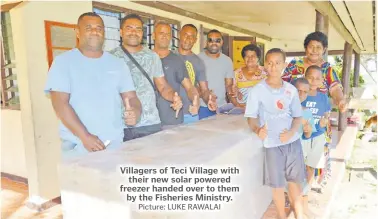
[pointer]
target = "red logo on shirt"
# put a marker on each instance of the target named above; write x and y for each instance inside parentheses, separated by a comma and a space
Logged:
(287, 92)
(280, 104)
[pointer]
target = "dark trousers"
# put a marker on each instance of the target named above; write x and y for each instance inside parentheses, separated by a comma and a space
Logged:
(139, 132)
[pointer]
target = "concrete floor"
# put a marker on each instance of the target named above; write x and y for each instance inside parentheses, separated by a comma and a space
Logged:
(13, 198)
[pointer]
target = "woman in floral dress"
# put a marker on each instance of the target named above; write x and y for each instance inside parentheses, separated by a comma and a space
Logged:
(315, 45)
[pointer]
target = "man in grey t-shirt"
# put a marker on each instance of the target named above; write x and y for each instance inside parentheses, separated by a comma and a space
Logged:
(196, 72)
(176, 75)
(219, 71)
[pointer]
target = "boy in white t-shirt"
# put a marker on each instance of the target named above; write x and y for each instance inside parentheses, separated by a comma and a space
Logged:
(276, 103)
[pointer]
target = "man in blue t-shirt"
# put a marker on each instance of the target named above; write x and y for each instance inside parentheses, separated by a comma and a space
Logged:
(274, 113)
(88, 88)
(320, 107)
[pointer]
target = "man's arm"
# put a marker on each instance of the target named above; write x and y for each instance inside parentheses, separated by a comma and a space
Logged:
(208, 96)
(191, 91)
(193, 96)
(165, 90)
(133, 100)
(133, 107)
(65, 112)
(204, 91)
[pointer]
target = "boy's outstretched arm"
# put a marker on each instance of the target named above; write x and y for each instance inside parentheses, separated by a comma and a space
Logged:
(307, 134)
(307, 129)
(253, 124)
(261, 132)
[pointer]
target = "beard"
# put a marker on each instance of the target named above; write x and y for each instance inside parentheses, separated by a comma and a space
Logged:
(133, 41)
(213, 50)
(94, 43)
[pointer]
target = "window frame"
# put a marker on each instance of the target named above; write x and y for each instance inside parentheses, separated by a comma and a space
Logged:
(49, 46)
(8, 64)
(151, 18)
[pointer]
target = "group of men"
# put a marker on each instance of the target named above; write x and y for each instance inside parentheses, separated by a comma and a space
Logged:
(103, 99)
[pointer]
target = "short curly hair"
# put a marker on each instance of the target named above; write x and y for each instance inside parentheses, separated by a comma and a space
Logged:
(251, 47)
(317, 36)
(131, 16)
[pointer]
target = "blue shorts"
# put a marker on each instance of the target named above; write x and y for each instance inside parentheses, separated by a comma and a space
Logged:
(204, 112)
(188, 118)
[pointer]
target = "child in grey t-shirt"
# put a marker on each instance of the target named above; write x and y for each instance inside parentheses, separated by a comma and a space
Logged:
(274, 113)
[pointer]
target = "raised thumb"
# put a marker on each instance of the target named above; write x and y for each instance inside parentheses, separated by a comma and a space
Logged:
(127, 103)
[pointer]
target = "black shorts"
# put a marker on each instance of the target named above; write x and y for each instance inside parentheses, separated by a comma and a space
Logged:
(138, 132)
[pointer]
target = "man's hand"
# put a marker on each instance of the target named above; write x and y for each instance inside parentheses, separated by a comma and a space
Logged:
(286, 135)
(263, 132)
(212, 104)
(193, 109)
(307, 127)
(130, 114)
(177, 103)
(92, 143)
(324, 120)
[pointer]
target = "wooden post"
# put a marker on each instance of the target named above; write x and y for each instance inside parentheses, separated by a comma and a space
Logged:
(345, 78)
(322, 25)
(202, 38)
(356, 74)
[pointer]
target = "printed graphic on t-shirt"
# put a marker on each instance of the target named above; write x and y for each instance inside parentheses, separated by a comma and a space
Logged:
(280, 104)
(312, 107)
(191, 72)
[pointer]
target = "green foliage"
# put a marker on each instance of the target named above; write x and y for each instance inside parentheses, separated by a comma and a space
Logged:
(338, 67)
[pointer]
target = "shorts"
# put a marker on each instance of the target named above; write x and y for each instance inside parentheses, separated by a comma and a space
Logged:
(189, 118)
(166, 127)
(284, 164)
(204, 112)
(139, 132)
(313, 151)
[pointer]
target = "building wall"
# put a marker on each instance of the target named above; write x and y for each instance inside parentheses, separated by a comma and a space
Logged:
(12, 144)
(39, 124)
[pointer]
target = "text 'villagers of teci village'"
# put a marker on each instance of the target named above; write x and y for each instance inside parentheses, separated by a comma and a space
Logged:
(184, 188)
